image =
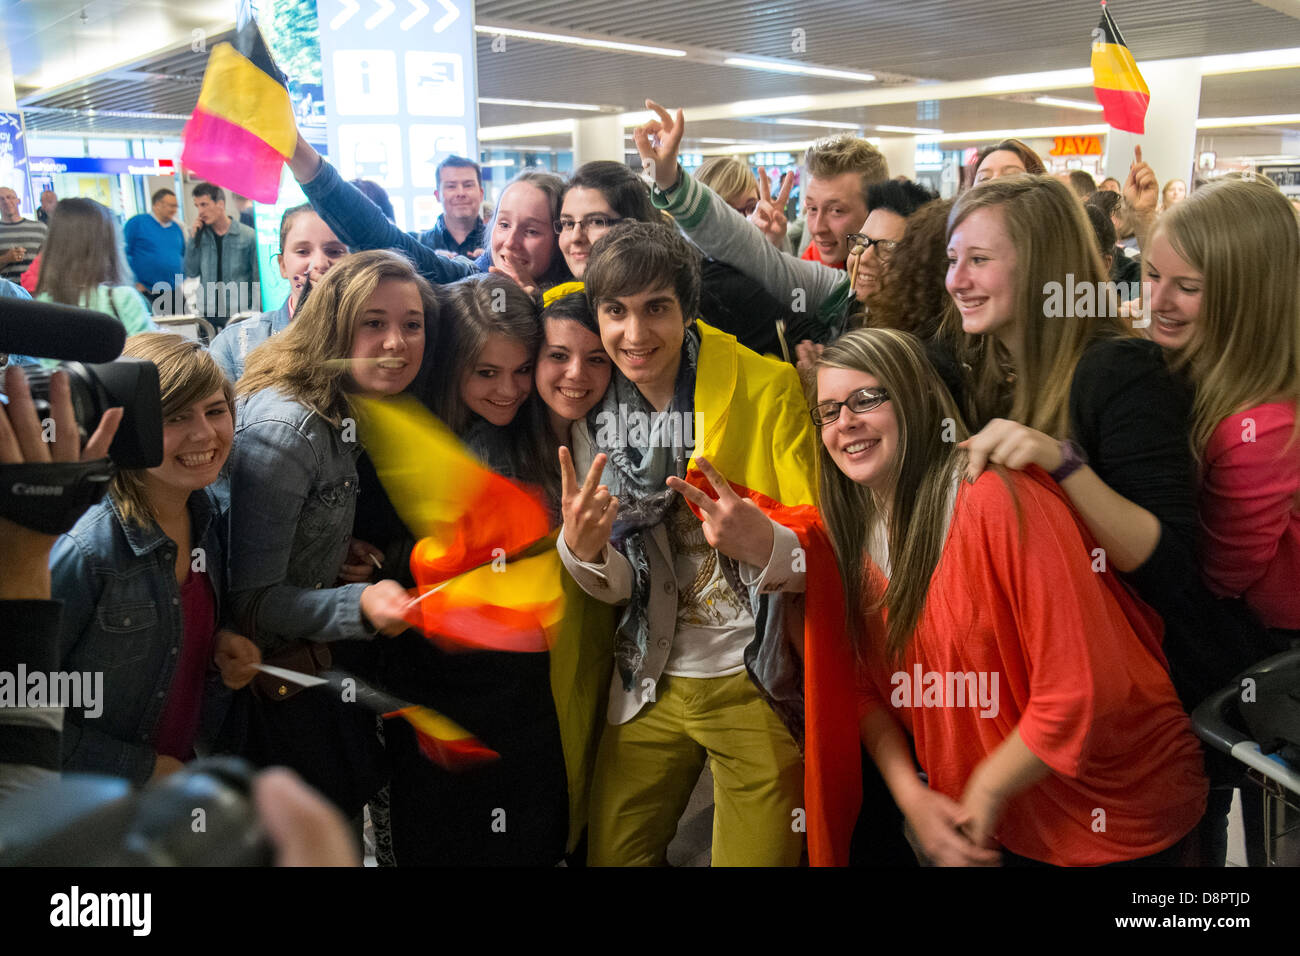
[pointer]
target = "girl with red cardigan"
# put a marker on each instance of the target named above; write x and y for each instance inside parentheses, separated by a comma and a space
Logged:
(1032, 687)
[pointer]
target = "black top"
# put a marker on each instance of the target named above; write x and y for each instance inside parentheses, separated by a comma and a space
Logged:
(440, 237)
(1126, 270)
(733, 302)
(503, 698)
(1132, 417)
(30, 631)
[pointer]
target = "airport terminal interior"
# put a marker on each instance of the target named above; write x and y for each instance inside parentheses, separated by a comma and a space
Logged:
(656, 432)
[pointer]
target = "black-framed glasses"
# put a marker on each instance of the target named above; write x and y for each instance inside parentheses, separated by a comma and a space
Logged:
(863, 400)
(884, 247)
(587, 223)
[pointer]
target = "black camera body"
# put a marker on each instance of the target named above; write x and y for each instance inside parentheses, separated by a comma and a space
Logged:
(200, 816)
(49, 497)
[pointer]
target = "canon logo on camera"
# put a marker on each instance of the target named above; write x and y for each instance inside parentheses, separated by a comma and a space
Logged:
(22, 489)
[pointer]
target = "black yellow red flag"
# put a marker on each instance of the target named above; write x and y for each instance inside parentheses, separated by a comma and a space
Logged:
(242, 130)
(1116, 82)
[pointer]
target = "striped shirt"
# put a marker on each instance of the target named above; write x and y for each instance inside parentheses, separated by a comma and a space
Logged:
(25, 233)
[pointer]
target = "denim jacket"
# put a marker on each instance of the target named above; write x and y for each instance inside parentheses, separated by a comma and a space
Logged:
(360, 225)
(238, 258)
(231, 346)
(293, 495)
(122, 617)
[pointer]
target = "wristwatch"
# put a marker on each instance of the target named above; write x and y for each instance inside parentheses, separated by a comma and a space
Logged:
(1072, 459)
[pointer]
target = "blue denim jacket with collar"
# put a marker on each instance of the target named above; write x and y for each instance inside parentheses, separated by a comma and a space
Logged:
(122, 617)
(233, 343)
(293, 495)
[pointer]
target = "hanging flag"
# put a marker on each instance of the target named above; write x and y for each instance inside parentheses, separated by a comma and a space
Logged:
(739, 395)
(1116, 82)
(242, 130)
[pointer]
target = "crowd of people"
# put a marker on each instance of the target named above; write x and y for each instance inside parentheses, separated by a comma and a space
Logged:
(1039, 525)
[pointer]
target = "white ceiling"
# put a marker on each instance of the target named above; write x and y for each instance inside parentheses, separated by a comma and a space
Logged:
(141, 50)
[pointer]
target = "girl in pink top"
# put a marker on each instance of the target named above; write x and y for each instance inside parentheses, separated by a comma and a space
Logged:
(1224, 268)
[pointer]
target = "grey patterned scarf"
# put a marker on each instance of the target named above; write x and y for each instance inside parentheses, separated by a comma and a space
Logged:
(643, 447)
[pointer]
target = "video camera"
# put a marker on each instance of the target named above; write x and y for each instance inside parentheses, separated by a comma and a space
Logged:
(43, 496)
(200, 816)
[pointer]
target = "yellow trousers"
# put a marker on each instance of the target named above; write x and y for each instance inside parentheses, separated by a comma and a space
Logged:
(646, 769)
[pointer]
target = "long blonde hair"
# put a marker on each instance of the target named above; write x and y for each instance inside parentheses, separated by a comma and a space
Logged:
(1243, 238)
(924, 468)
(307, 360)
(1053, 241)
(186, 374)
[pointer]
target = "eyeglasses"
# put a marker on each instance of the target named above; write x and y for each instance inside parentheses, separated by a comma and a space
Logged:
(588, 223)
(863, 400)
(884, 247)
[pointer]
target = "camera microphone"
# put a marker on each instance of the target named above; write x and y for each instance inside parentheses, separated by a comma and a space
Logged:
(63, 332)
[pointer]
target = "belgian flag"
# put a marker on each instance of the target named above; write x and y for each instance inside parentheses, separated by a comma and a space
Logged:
(759, 436)
(242, 130)
(1118, 85)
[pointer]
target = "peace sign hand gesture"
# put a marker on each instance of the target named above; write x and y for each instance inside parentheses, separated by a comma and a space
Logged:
(657, 142)
(588, 512)
(734, 525)
(769, 214)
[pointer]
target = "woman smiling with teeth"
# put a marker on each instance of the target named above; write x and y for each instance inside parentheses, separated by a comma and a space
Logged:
(142, 584)
(497, 336)
(1095, 407)
(946, 576)
(293, 496)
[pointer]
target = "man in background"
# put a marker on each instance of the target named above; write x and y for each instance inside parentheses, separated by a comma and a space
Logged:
(155, 249)
(223, 255)
(839, 171)
(459, 229)
(48, 202)
(20, 239)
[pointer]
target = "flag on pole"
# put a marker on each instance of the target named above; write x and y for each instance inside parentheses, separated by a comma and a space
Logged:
(488, 577)
(242, 130)
(443, 741)
(1116, 82)
(485, 565)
